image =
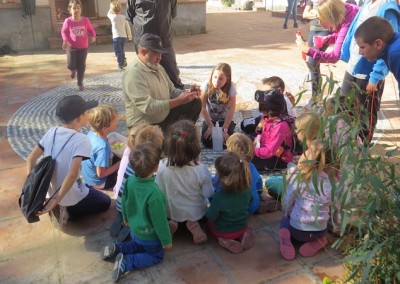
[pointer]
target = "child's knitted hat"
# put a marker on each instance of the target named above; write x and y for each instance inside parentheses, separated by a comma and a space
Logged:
(272, 98)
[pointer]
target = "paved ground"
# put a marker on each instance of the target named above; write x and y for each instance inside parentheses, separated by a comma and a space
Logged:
(40, 253)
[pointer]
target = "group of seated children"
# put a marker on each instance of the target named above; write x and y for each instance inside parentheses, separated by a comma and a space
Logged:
(151, 206)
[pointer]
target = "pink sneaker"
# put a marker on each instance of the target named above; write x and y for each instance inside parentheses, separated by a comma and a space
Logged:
(312, 248)
(286, 246)
(232, 245)
(81, 88)
(198, 234)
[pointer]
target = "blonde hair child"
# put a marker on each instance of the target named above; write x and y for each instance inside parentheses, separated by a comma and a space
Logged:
(301, 200)
(100, 171)
(242, 145)
(228, 212)
(218, 97)
(76, 44)
(121, 31)
(185, 181)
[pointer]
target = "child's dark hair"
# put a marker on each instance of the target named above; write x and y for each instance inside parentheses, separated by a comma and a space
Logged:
(74, 2)
(224, 92)
(375, 28)
(183, 144)
(233, 172)
(271, 102)
(144, 159)
(274, 82)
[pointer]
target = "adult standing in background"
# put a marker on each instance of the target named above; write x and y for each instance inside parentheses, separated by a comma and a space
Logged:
(291, 10)
(156, 17)
(310, 13)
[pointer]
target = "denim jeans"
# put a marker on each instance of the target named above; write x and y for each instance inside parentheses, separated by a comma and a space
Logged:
(313, 66)
(291, 9)
(140, 254)
(119, 49)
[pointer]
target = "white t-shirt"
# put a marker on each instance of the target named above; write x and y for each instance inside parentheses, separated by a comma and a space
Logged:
(186, 188)
(77, 146)
(119, 25)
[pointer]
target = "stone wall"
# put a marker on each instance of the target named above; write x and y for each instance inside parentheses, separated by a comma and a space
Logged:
(11, 34)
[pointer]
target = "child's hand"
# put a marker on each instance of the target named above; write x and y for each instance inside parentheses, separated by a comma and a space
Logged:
(126, 223)
(50, 206)
(167, 247)
(64, 45)
(260, 126)
(92, 39)
(225, 135)
(208, 133)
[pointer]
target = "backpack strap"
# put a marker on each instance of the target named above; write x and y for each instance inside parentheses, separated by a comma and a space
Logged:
(54, 139)
(64, 145)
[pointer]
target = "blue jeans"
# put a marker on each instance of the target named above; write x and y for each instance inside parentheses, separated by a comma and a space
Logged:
(140, 254)
(313, 66)
(119, 49)
(291, 9)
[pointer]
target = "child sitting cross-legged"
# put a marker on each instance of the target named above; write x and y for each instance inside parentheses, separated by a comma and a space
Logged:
(185, 181)
(301, 202)
(274, 145)
(100, 171)
(144, 209)
(228, 212)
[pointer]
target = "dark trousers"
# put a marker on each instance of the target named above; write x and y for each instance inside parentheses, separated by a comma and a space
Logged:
(301, 236)
(190, 111)
(313, 66)
(273, 163)
(168, 61)
(96, 201)
(208, 142)
(119, 49)
(369, 104)
(291, 10)
(140, 254)
(112, 179)
(76, 60)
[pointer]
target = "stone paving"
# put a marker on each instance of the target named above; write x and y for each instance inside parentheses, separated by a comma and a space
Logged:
(41, 253)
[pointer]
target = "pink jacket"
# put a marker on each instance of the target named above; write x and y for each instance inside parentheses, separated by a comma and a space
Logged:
(75, 33)
(336, 38)
(274, 134)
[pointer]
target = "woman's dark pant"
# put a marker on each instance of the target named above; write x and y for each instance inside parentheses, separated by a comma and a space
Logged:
(273, 163)
(76, 60)
(369, 104)
(313, 66)
(291, 9)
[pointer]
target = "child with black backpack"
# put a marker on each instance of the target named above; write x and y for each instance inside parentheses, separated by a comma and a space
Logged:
(274, 146)
(69, 147)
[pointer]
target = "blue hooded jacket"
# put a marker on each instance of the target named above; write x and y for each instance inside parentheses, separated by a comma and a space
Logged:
(376, 70)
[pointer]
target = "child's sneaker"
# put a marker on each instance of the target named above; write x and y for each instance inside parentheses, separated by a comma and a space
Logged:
(232, 245)
(198, 234)
(121, 67)
(119, 268)
(73, 73)
(109, 251)
(286, 246)
(311, 248)
(125, 63)
(81, 87)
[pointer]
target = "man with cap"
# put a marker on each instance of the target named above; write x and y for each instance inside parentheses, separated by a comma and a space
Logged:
(150, 96)
(156, 17)
(69, 147)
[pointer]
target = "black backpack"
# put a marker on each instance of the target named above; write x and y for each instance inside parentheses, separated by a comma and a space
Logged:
(33, 193)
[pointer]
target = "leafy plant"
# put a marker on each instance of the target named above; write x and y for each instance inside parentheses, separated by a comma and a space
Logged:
(367, 194)
(228, 3)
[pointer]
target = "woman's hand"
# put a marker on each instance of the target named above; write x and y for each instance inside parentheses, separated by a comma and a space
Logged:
(225, 135)
(208, 133)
